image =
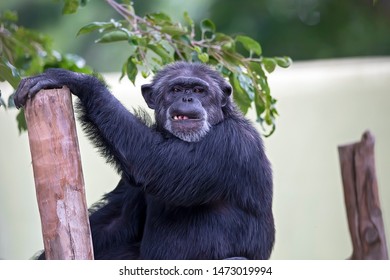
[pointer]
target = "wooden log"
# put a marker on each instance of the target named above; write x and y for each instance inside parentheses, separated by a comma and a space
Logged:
(362, 199)
(58, 175)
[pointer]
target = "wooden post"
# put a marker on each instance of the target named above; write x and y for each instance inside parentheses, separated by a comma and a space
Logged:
(362, 199)
(58, 175)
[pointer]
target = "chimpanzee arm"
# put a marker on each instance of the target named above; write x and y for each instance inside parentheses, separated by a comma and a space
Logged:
(109, 124)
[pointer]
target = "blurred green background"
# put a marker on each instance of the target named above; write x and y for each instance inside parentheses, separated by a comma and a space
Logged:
(301, 29)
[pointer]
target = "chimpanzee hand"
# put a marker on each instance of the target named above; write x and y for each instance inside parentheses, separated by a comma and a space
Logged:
(52, 78)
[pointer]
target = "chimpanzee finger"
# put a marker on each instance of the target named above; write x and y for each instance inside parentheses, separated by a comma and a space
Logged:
(29, 87)
(46, 83)
(21, 93)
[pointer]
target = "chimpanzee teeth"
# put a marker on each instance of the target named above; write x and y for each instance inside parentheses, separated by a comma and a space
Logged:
(180, 117)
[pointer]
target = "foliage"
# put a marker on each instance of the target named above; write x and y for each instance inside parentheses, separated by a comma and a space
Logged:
(24, 52)
(156, 40)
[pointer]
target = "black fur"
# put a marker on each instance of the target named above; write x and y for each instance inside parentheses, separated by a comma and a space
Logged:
(210, 198)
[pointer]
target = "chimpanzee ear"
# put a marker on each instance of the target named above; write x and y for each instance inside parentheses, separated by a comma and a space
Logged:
(147, 93)
(227, 91)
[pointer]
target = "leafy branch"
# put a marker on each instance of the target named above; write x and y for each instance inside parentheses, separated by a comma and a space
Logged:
(155, 40)
(25, 52)
(152, 42)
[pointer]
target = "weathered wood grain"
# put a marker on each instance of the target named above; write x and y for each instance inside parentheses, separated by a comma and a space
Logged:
(362, 199)
(58, 175)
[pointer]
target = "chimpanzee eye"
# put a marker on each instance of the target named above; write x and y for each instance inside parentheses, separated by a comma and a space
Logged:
(176, 89)
(198, 89)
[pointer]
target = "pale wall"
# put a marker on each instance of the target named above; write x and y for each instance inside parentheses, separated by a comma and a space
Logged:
(322, 104)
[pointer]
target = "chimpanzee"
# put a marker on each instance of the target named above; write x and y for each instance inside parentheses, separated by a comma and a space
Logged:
(196, 184)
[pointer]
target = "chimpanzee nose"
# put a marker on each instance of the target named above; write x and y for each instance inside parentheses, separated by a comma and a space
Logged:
(187, 99)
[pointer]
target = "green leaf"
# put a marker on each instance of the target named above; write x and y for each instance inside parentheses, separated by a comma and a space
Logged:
(94, 26)
(174, 30)
(9, 73)
(229, 46)
(144, 74)
(11, 103)
(261, 77)
(123, 71)
(70, 6)
(159, 18)
(241, 98)
(161, 52)
(272, 130)
(131, 70)
(226, 42)
(268, 118)
(269, 64)
(22, 125)
(207, 25)
(208, 29)
(231, 60)
(260, 103)
(249, 44)
(204, 57)
(246, 84)
(198, 49)
(113, 36)
(223, 70)
(255, 67)
(188, 19)
(73, 61)
(283, 62)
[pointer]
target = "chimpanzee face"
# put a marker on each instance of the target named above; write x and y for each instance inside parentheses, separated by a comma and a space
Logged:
(187, 102)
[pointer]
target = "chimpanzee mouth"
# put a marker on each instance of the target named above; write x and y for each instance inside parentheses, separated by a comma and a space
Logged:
(183, 117)
(188, 125)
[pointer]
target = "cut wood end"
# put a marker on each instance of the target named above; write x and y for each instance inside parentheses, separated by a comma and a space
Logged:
(368, 138)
